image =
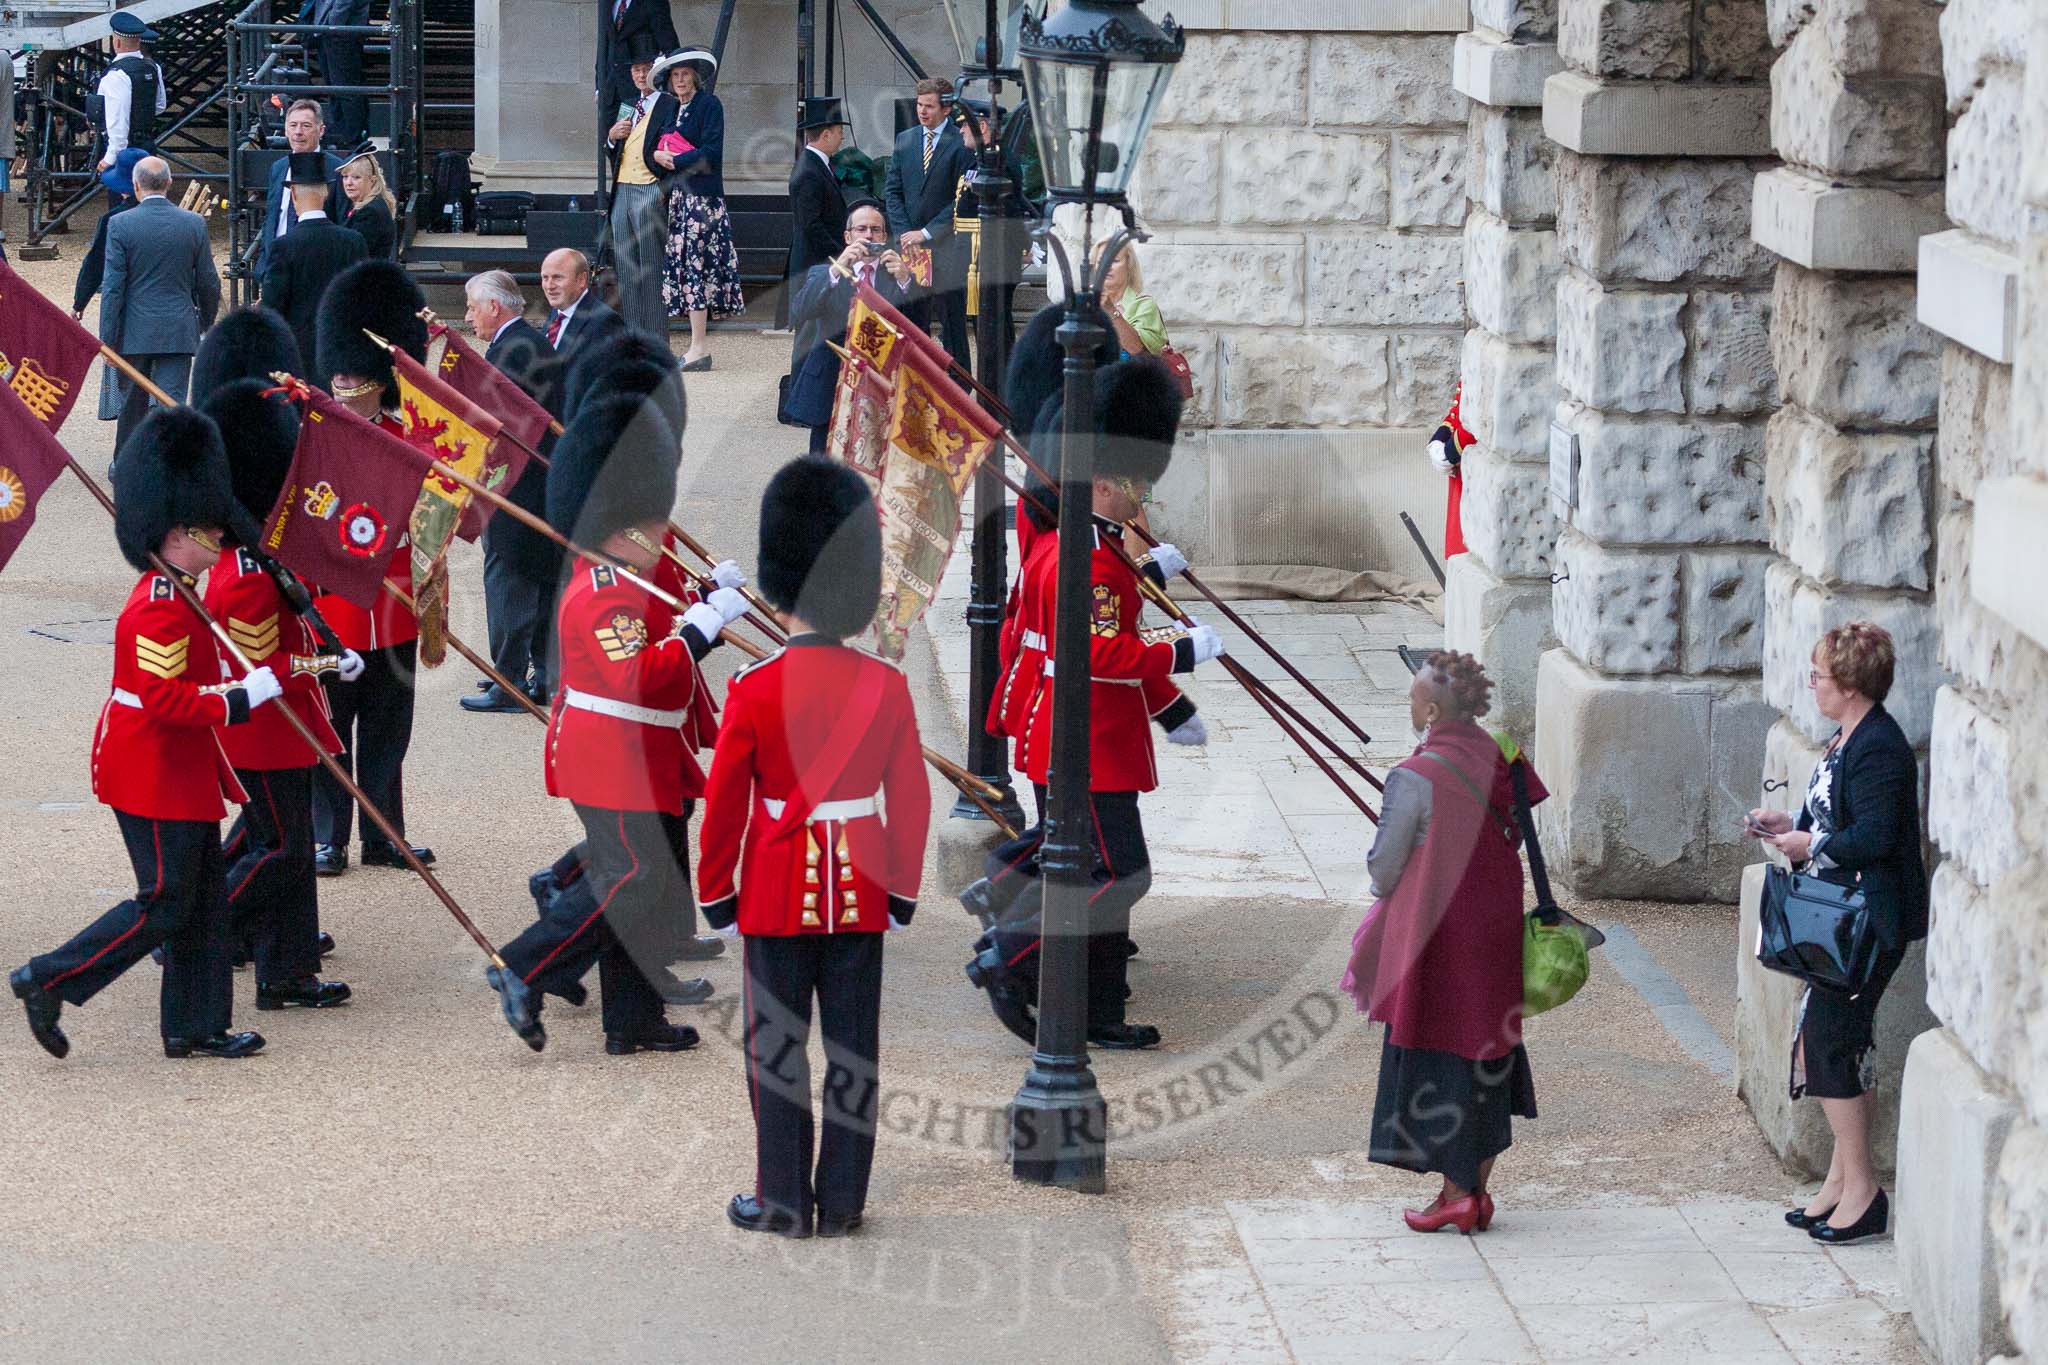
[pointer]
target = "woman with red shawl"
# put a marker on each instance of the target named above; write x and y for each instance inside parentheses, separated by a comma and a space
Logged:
(1438, 959)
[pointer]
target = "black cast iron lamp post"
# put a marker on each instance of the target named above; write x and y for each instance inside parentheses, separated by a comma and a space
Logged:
(1094, 74)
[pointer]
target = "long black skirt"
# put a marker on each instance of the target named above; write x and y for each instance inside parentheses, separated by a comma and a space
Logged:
(1437, 1111)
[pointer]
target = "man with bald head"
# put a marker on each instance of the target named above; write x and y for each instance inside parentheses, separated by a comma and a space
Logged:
(576, 315)
(159, 293)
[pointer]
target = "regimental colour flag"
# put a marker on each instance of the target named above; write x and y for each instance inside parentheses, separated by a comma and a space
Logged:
(489, 387)
(30, 460)
(44, 354)
(346, 499)
(465, 438)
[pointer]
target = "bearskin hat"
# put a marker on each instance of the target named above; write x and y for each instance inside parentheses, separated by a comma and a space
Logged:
(821, 546)
(260, 434)
(626, 361)
(376, 296)
(172, 472)
(613, 467)
(251, 342)
(1137, 410)
(1037, 372)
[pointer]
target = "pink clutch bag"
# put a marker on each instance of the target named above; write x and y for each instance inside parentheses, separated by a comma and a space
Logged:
(676, 143)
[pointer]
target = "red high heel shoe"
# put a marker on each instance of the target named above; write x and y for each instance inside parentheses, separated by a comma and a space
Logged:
(1485, 1210)
(1462, 1214)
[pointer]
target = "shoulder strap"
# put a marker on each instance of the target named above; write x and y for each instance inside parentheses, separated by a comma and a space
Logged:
(1501, 822)
(855, 719)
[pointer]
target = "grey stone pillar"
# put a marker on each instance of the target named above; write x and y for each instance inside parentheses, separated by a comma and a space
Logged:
(1497, 600)
(536, 110)
(1650, 718)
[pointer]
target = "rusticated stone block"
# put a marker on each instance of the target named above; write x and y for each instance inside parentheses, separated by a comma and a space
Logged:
(1383, 81)
(1850, 349)
(1976, 420)
(1429, 180)
(1491, 71)
(1984, 161)
(1721, 621)
(1980, 40)
(1511, 278)
(2019, 1219)
(1278, 177)
(1865, 37)
(1200, 347)
(1999, 663)
(1212, 283)
(1506, 514)
(1621, 219)
(1881, 127)
(1384, 279)
(1734, 42)
(1425, 377)
(1622, 350)
(1669, 481)
(1288, 379)
(1823, 225)
(1617, 610)
(1850, 508)
(1523, 20)
(1972, 764)
(1789, 760)
(1642, 39)
(1797, 612)
(1510, 166)
(1621, 117)
(1179, 175)
(1247, 78)
(1510, 393)
(1731, 369)
(1505, 624)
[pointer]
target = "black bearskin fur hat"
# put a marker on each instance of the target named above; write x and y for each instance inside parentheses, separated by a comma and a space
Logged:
(626, 362)
(613, 467)
(249, 343)
(380, 296)
(259, 434)
(1037, 373)
(821, 546)
(1137, 410)
(171, 473)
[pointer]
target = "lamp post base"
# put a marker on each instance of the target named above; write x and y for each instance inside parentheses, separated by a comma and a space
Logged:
(1059, 1126)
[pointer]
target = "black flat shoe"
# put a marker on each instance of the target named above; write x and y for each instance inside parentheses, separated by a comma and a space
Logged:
(673, 990)
(228, 1045)
(330, 860)
(326, 944)
(702, 948)
(520, 1007)
(43, 1009)
(837, 1224)
(660, 1038)
(701, 363)
(387, 855)
(1800, 1218)
(493, 699)
(1874, 1221)
(308, 992)
(747, 1213)
(1124, 1037)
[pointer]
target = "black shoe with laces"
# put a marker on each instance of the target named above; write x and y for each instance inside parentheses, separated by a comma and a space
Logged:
(662, 1037)
(43, 1009)
(330, 860)
(748, 1213)
(229, 1045)
(307, 992)
(1123, 1037)
(387, 855)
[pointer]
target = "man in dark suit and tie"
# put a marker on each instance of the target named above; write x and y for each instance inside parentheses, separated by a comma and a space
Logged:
(817, 204)
(576, 315)
(624, 27)
(303, 130)
(819, 312)
(307, 259)
(161, 291)
(520, 566)
(924, 175)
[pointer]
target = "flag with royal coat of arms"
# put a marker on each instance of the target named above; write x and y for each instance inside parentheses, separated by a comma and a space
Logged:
(30, 461)
(44, 353)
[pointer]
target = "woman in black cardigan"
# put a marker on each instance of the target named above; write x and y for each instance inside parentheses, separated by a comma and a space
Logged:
(1860, 826)
(371, 209)
(701, 276)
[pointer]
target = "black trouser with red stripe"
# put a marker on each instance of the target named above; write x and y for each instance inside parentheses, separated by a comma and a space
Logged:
(179, 904)
(273, 903)
(373, 716)
(844, 973)
(636, 869)
(1121, 875)
(678, 928)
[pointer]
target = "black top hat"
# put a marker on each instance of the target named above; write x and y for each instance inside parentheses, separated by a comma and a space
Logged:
(307, 168)
(821, 111)
(641, 47)
(128, 26)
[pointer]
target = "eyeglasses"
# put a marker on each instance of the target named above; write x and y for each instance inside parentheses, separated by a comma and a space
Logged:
(1814, 675)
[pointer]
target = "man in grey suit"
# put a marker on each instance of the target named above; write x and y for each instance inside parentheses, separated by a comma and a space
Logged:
(160, 292)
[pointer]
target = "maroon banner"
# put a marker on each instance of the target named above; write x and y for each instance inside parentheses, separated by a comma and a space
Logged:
(491, 389)
(44, 354)
(347, 501)
(30, 460)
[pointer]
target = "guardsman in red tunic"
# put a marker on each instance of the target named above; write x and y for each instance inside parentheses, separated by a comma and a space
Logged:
(1137, 411)
(616, 747)
(373, 714)
(813, 846)
(273, 897)
(156, 756)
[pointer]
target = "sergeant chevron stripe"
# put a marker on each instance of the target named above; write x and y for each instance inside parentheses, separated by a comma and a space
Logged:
(164, 658)
(258, 638)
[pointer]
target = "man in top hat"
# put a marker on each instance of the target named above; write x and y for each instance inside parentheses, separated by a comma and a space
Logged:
(628, 31)
(372, 716)
(639, 214)
(131, 93)
(923, 184)
(617, 748)
(305, 261)
(156, 756)
(813, 847)
(304, 130)
(817, 204)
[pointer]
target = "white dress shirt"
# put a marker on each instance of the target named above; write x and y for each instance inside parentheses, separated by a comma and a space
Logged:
(119, 93)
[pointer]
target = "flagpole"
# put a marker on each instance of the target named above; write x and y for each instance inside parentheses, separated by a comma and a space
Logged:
(466, 652)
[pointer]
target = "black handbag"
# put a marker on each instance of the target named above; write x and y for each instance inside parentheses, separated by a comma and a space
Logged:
(1819, 931)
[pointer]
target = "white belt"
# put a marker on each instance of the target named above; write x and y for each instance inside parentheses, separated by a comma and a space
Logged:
(127, 698)
(825, 810)
(1114, 682)
(1033, 640)
(623, 710)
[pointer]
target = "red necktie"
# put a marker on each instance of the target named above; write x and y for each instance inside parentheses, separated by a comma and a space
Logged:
(555, 328)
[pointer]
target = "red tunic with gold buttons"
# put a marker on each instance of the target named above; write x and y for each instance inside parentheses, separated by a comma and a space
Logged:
(244, 598)
(1122, 659)
(700, 728)
(156, 750)
(615, 736)
(817, 798)
(390, 622)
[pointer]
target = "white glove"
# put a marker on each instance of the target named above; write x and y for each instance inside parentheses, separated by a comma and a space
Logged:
(708, 620)
(1189, 731)
(261, 686)
(1440, 456)
(731, 932)
(351, 665)
(728, 603)
(1208, 644)
(1169, 559)
(895, 924)
(729, 575)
